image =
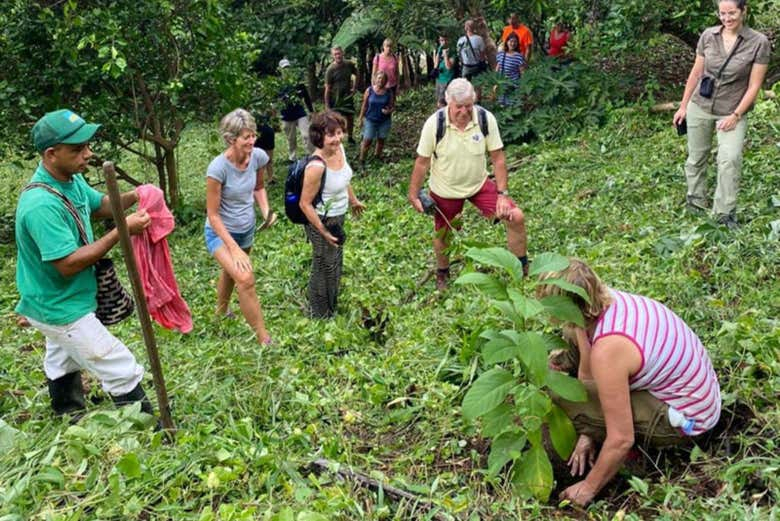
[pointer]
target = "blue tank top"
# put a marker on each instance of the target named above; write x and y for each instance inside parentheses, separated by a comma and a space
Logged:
(375, 105)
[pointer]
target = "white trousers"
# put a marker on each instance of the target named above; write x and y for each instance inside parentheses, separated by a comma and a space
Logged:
(87, 344)
(290, 127)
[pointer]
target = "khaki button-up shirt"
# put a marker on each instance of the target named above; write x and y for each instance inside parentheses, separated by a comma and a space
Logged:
(753, 48)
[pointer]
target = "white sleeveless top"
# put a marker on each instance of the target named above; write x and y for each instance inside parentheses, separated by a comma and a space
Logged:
(335, 198)
(675, 366)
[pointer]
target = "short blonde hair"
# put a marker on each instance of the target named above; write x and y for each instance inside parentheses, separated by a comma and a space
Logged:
(234, 122)
(381, 77)
(579, 274)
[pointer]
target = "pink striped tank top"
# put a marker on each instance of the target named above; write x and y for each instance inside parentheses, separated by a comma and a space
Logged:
(675, 366)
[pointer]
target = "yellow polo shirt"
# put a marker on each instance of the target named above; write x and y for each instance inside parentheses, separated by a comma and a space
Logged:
(459, 168)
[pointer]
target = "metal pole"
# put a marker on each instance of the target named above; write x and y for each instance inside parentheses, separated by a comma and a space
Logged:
(140, 299)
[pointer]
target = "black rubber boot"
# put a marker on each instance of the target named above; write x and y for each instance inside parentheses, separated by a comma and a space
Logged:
(136, 395)
(67, 394)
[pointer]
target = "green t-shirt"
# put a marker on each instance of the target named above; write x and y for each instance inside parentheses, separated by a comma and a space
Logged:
(45, 232)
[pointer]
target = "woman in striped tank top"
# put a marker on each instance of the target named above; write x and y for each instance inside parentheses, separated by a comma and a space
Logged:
(649, 378)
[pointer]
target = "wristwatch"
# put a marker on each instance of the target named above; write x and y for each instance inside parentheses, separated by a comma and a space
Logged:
(503, 192)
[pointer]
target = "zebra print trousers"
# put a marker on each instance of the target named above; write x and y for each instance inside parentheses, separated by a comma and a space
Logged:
(326, 265)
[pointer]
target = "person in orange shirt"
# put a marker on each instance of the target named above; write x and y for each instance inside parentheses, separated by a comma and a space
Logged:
(523, 33)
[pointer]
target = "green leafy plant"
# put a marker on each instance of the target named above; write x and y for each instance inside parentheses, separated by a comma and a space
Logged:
(513, 394)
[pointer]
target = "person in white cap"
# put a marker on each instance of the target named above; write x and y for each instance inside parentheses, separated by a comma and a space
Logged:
(294, 115)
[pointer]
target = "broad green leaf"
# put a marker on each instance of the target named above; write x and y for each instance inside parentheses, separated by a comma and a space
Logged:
(129, 465)
(562, 432)
(498, 257)
(568, 286)
(533, 354)
(499, 350)
(563, 309)
(487, 392)
(361, 23)
(554, 342)
(504, 449)
(538, 404)
(525, 306)
(489, 334)
(566, 387)
(311, 516)
(547, 262)
(533, 474)
(488, 285)
(508, 309)
(498, 420)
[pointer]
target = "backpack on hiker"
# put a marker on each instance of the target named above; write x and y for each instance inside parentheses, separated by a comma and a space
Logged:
(441, 127)
(293, 186)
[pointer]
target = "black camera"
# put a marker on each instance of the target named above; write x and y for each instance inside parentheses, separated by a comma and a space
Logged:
(707, 87)
(428, 204)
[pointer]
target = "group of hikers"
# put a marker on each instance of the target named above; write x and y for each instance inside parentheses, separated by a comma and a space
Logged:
(648, 376)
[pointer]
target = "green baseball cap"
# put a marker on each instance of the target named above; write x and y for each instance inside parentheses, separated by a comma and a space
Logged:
(62, 126)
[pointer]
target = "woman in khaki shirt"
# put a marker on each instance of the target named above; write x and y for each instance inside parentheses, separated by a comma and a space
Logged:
(731, 62)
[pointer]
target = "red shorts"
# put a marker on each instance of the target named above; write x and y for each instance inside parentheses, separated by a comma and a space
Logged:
(485, 200)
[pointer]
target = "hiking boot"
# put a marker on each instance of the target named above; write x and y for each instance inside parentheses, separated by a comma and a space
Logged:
(728, 220)
(442, 276)
(695, 204)
(67, 394)
(136, 395)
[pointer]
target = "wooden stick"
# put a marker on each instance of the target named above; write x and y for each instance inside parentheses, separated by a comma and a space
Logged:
(323, 465)
(140, 298)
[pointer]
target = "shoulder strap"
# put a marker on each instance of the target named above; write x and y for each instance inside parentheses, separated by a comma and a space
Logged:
(483, 121)
(68, 206)
(440, 129)
(473, 53)
(728, 58)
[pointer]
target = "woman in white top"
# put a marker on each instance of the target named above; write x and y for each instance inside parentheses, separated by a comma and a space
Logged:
(326, 213)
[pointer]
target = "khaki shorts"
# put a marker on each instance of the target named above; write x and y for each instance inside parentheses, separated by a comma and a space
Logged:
(651, 420)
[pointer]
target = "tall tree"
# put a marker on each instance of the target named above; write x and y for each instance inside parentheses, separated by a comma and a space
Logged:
(141, 68)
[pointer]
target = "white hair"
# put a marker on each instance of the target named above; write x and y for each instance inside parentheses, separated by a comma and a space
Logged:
(460, 90)
(234, 122)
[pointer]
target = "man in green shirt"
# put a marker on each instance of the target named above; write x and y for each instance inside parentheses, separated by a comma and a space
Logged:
(340, 88)
(55, 274)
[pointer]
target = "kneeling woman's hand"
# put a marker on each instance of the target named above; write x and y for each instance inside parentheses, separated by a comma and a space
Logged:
(584, 455)
(580, 493)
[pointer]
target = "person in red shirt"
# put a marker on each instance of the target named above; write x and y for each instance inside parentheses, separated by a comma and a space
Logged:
(559, 37)
(524, 36)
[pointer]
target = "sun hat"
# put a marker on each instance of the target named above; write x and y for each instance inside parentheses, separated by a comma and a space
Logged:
(284, 62)
(62, 126)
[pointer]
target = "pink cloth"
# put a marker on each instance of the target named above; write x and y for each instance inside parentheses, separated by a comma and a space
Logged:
(165, 303)
(388, 64)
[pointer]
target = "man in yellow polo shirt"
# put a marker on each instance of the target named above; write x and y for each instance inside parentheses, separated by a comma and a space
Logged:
(458, 169)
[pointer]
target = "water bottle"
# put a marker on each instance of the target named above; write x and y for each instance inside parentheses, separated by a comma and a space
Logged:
(678, 419)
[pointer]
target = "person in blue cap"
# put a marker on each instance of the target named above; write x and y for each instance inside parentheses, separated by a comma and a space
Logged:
(54, 272)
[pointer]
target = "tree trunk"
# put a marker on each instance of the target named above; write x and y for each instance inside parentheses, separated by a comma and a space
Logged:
(311, 81)
(173, 178)
(159, 164)
(416, 68)
(360, 81)
(428, 63)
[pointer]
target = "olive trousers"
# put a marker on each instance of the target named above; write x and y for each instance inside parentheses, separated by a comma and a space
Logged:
(701, 125)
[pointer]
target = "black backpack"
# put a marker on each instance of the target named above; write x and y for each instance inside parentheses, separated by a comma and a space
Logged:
(440, 124)
(293, 186)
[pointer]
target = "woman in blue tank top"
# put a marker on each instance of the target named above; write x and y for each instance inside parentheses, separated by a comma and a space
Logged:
(378, 105)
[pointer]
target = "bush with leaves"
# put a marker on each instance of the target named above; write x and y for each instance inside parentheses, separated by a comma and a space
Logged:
(550, 100)
(513, 395)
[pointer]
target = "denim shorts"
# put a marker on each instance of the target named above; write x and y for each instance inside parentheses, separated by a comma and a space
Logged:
(243, 239)
(374, 130)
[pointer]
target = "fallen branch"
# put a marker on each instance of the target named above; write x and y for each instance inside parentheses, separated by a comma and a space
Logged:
(323, 465)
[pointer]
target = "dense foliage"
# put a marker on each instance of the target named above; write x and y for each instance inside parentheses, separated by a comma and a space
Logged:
(380, 388)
